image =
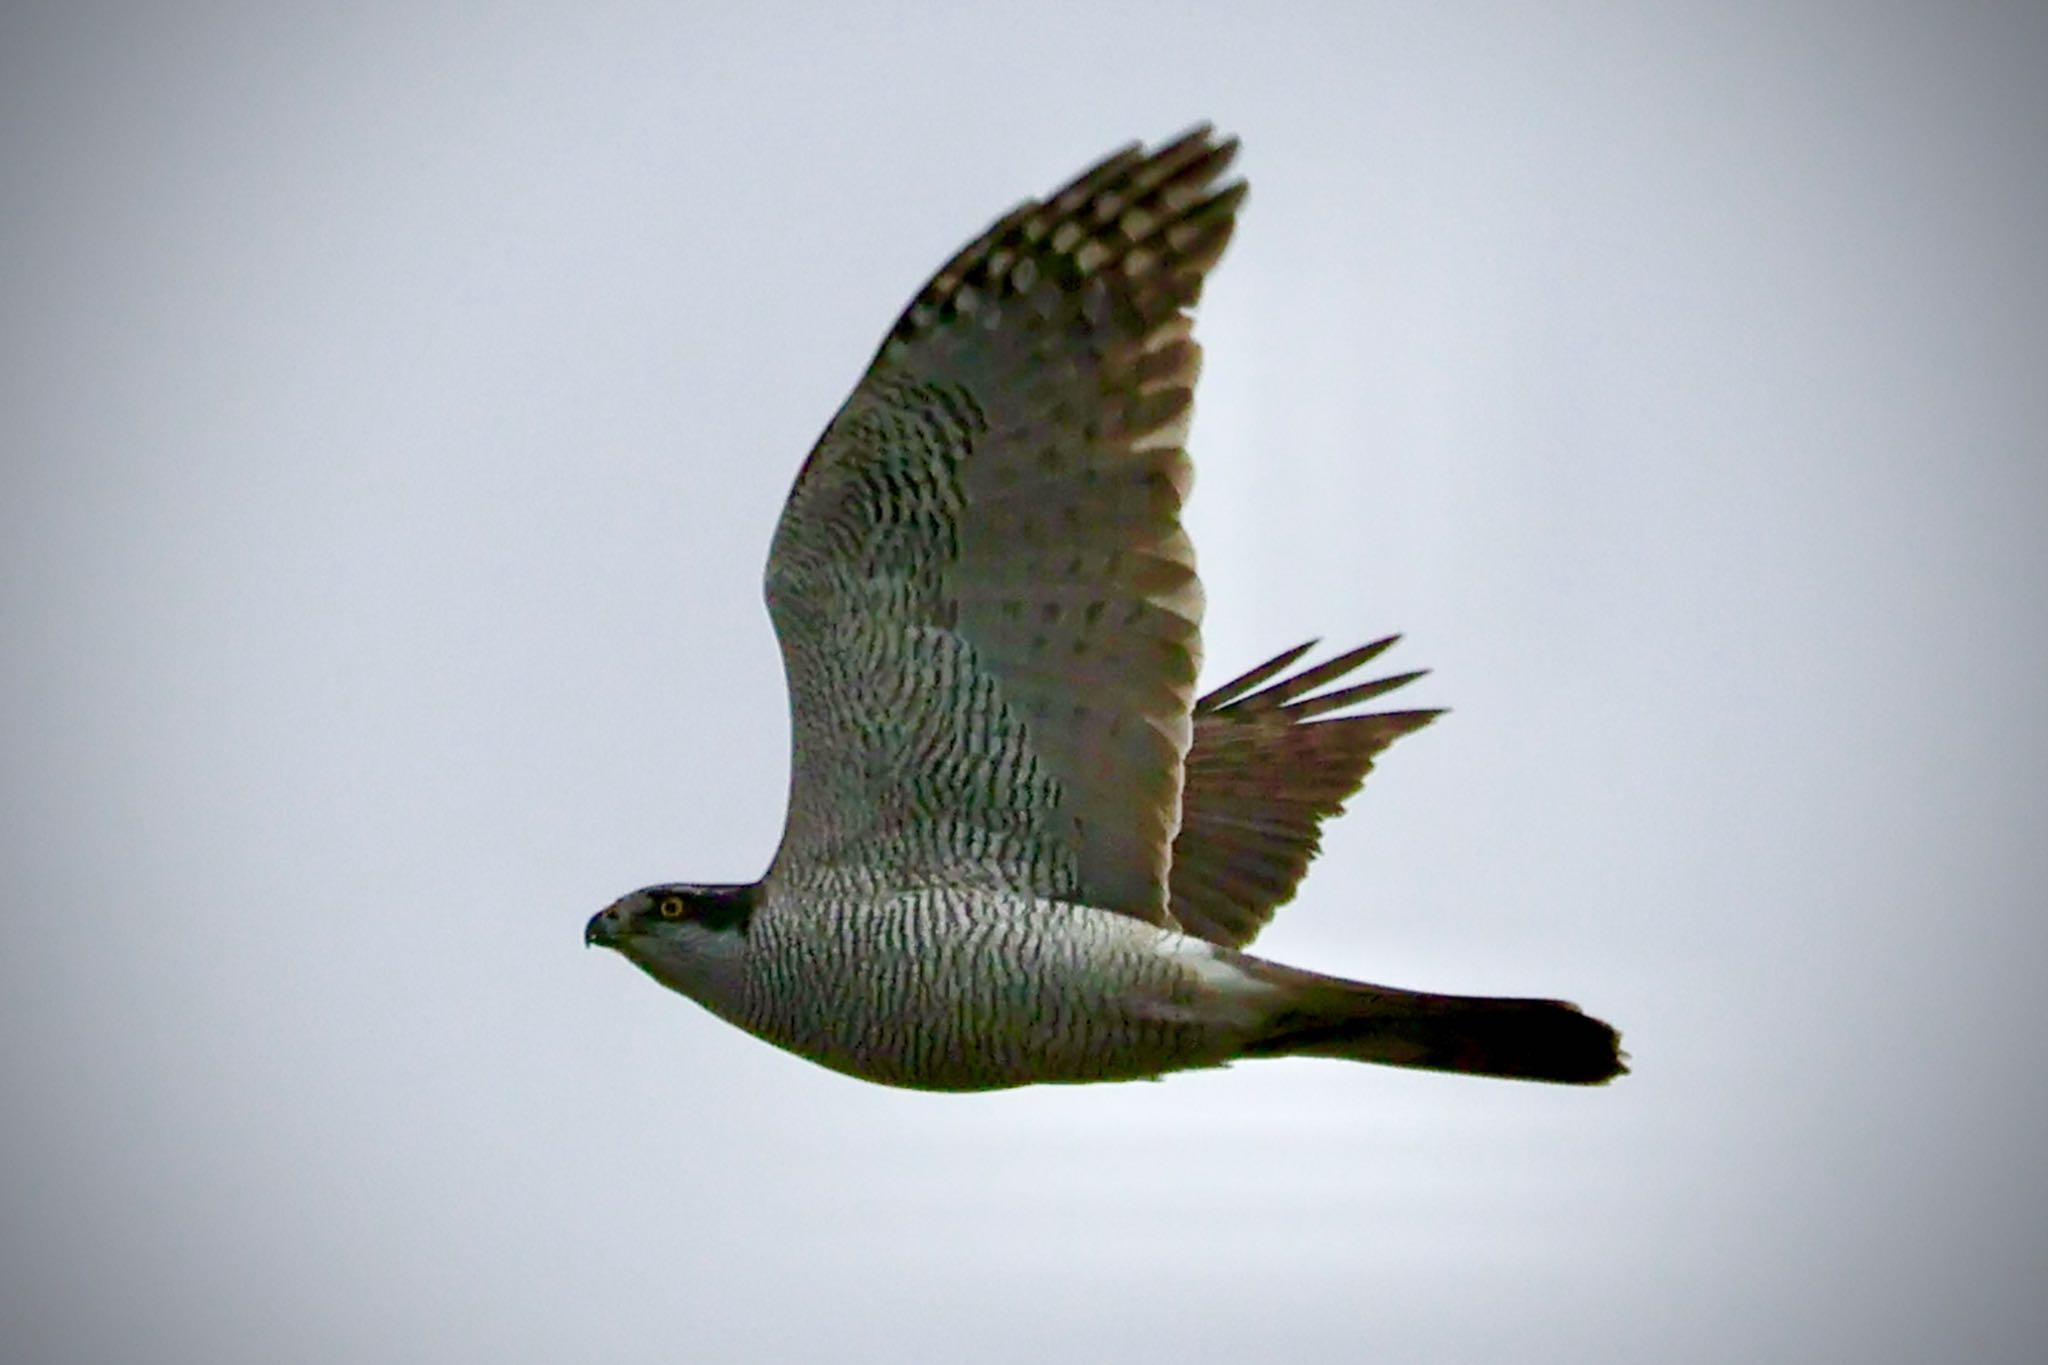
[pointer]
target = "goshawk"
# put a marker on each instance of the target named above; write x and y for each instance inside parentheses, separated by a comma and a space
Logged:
(1019, 847)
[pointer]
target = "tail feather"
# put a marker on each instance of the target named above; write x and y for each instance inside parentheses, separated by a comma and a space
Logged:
(1533, 1040)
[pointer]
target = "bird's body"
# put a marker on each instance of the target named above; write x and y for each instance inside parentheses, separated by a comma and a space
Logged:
(961, 988)
(1019, 848)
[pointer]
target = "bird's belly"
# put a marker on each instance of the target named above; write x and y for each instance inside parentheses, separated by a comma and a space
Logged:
(964, 990)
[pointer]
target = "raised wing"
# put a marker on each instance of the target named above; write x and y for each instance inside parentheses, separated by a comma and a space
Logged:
(988, 611)
(1268, 766)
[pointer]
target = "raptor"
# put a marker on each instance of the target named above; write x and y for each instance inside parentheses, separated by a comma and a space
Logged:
(1020, 848)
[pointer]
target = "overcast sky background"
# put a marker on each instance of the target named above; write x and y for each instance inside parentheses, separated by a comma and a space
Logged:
(397, 403)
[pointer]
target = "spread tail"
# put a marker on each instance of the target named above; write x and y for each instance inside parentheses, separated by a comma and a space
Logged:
(1531, 1040)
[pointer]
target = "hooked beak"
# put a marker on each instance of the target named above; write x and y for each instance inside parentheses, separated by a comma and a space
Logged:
(602, 931)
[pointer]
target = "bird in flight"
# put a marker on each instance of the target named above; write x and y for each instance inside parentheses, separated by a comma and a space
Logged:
(1019, 847)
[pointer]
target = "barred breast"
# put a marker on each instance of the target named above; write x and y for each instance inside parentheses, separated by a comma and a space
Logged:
(963, 989)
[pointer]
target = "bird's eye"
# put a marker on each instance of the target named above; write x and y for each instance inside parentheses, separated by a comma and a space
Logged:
(671, 907)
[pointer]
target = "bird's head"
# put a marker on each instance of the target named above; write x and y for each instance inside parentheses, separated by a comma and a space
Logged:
(688, 937)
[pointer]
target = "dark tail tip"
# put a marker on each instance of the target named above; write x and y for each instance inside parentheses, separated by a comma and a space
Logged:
(1530, 1040)
(1538, 1040)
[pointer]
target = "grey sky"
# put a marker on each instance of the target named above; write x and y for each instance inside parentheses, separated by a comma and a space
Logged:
(397, 402)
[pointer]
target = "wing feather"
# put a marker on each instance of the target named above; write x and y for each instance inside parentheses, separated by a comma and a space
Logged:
(988, 610)
(1263, 774)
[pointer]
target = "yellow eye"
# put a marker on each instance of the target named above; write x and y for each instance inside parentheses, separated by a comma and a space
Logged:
(671, 907)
